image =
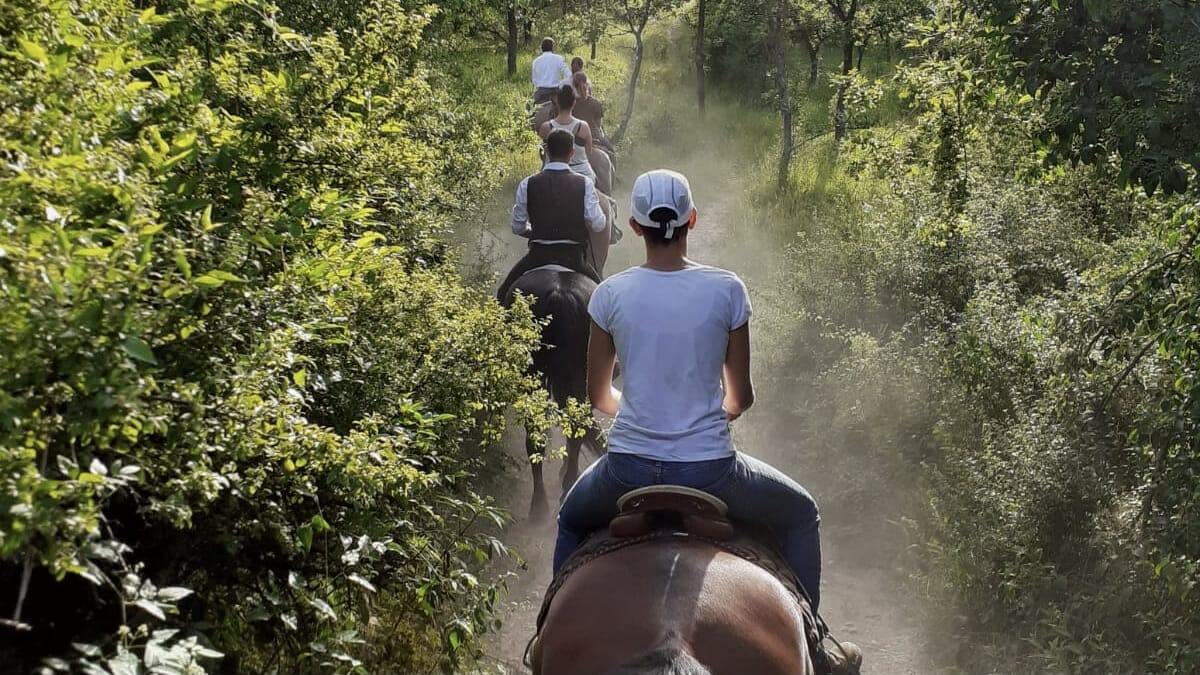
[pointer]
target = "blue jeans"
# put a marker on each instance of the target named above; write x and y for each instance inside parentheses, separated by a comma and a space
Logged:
(754, 490)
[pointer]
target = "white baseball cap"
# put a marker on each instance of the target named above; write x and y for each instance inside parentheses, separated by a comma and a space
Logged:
(662, 188)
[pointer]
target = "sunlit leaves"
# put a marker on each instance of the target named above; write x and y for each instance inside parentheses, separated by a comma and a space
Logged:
(213, 270)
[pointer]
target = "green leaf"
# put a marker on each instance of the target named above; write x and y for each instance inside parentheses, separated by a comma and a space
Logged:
(323, 608)
(305, 534)
(124, 663)
(209, 281)
(224, 276)
(33, 50)
(151, 608)
(206, 221)
(362, 581)
(137, 348)
(182, 263)
(173, 593)
(300, 377)
(320, 524)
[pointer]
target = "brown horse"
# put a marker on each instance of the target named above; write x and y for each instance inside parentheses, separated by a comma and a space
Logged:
(560, 363)
(672, 606)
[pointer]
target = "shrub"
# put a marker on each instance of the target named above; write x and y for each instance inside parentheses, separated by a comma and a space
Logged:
(239, 370)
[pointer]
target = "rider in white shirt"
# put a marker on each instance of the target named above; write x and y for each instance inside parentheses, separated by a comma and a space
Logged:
(550, 72)
(682, 334)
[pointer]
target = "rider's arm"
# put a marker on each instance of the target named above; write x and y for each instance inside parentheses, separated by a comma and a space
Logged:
(586, 132)
(602, 356)
(591, 208)
(564, 71)
(520, 212)
(739, 390)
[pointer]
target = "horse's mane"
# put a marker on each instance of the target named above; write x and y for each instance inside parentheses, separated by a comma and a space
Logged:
(670, 658)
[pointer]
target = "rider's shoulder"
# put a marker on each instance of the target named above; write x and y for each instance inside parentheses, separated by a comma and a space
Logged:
(715, 272)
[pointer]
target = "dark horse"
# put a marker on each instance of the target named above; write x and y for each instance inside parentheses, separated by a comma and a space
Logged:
(672, 606)
(561, 361)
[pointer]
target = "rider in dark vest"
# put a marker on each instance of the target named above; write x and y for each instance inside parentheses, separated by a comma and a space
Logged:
(555, 209)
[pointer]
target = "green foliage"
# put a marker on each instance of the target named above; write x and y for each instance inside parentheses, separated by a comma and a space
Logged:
(243, 394)
(1120, 78)
(1011, 335)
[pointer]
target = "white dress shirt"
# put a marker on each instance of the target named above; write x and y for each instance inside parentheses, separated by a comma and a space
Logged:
(591, 208)
(550, 70)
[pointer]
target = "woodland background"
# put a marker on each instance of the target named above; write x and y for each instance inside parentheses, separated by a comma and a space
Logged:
(251, 409)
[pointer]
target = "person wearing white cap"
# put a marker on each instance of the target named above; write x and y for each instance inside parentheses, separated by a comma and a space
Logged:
(681, 331)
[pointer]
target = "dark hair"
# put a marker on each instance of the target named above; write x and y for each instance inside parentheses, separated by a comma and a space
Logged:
(579, 81)
(658, 235)
(547, 44)
(565, 97)
(576, 64)
(559, 144)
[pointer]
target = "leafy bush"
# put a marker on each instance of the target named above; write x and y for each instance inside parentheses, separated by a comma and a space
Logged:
(241, 382)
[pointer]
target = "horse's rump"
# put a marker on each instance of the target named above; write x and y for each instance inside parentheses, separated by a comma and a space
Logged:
(612, 608)
(561, 360)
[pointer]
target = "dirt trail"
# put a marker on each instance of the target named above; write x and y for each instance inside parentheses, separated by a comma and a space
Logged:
(863, 596)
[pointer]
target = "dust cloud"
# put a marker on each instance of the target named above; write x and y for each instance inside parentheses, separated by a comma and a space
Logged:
(864, 595)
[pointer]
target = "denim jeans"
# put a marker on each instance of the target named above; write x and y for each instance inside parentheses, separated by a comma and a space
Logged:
(755, 492)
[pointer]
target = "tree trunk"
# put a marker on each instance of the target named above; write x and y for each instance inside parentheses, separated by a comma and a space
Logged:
(528, 31)
(511, 24)
(778, 40)
(700, 56)
(638, 50)
(593, 56)
(862, 48)
(814, 57)
(839, 108)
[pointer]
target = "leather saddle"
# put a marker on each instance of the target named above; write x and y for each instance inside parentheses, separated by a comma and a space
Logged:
(671, 507)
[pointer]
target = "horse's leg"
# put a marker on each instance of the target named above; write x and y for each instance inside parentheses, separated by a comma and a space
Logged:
(571, 467)
(539, 507)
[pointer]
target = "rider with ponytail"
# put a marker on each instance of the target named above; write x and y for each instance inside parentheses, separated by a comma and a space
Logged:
(681, 331)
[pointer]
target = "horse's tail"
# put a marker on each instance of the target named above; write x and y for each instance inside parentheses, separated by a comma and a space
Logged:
(670, 657)
(563, 358)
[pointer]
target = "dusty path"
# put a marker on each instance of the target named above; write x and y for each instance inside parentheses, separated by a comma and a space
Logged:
(863, 596)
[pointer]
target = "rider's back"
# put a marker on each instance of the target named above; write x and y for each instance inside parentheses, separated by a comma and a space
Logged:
(671, 331)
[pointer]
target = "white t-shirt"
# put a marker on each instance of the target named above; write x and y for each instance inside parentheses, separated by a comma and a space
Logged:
(671, 330)
(550, 70)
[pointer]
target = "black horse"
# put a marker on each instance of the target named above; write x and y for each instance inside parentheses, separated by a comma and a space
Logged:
(561, 361)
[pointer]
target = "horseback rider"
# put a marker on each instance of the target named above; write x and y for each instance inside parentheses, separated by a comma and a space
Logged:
(681, 332)
(576, 64)
(549, 72)
(590, 110)
(555, 208)
(582, 133)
